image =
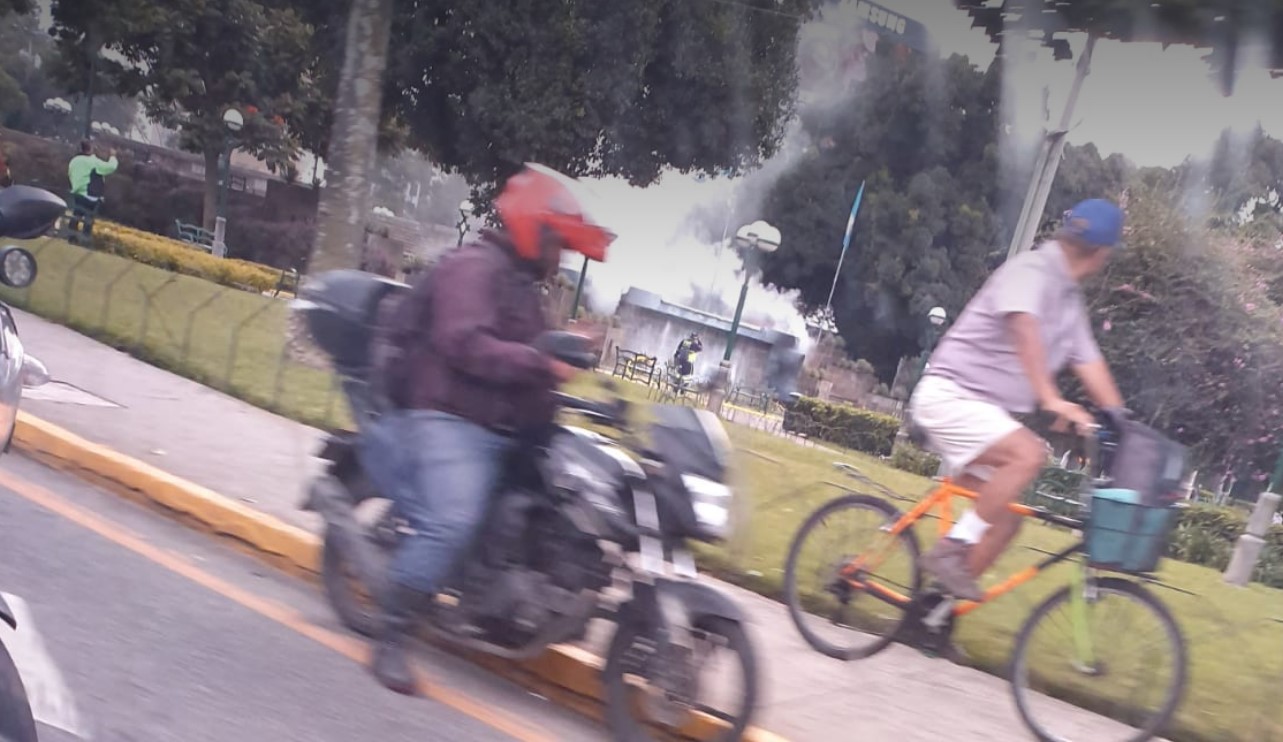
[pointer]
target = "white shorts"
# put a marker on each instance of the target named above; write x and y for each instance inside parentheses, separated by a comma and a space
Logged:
(960, 427)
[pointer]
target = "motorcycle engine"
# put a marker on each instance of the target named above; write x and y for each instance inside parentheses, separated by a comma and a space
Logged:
(529, 568)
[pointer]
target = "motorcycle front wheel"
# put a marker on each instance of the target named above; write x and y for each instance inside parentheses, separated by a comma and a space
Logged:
(16, 721)
(640, 684)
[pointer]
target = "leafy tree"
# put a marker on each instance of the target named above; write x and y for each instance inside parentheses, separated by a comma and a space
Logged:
(188, 61)
(626, 88)
(623, 88)
(1085, 174)
(922, 133)
(19, 7)
(1193, 337)
(1243, 172)
(28, 59)
(312, 117)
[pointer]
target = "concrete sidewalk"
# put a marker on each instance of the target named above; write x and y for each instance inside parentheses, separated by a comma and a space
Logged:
(264, 461)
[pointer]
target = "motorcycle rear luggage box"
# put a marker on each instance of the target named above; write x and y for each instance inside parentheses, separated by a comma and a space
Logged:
(342, 310)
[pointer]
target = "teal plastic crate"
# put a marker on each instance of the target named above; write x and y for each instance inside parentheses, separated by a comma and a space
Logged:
(1125, 536)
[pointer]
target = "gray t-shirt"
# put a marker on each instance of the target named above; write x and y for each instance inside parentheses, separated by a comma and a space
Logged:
(978, 354)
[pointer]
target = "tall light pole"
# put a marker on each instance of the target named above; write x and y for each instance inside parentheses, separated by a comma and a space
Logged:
(756, 240)
(234, 121)
(579, 290)
(936, 319)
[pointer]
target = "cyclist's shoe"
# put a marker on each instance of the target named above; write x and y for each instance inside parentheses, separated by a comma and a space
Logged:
(947, 561)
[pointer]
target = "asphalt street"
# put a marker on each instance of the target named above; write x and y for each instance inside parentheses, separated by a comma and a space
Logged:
(137, 629)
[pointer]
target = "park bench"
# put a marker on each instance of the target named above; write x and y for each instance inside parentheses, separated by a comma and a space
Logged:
(287, 282)
(194, 235)
(634, 366)
(751, 399)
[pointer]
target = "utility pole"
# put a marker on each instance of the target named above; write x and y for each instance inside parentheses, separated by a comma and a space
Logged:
(1049, 154)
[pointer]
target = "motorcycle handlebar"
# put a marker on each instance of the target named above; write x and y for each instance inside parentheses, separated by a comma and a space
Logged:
(599, 411)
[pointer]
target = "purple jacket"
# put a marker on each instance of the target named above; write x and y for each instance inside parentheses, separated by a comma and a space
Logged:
(479, 364)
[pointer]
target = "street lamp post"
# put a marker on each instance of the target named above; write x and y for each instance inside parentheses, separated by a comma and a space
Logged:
(579, 290)
(234, 120)
(756, 239)
(465, 212)
(936, 317)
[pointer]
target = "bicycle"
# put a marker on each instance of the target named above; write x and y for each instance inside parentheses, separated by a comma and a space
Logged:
(1113, 536)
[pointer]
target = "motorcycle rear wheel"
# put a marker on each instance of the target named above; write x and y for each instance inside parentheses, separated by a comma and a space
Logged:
(621, 704)
(16, 721)
(352, 595)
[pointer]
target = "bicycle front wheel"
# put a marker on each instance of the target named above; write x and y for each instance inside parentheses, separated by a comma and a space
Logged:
(848, 582)
(1118, 653)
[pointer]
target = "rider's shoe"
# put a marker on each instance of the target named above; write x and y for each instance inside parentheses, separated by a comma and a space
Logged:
(948, 562)
(390, 659)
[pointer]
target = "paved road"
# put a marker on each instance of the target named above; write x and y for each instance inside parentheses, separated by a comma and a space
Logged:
(160, 633)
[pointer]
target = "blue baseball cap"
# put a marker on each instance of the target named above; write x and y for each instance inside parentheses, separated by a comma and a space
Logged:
(1096, 222)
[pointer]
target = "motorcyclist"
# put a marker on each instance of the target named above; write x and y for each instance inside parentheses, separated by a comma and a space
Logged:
(684, 357)
(474, 383)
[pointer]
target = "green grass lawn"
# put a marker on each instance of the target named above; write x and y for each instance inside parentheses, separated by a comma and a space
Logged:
(229, 339)
(235, 341)
(1234, 635)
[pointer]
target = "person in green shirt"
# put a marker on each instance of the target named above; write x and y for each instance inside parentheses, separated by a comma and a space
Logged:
(86, 189)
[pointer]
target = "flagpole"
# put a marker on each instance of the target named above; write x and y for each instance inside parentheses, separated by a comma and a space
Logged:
(846, 243)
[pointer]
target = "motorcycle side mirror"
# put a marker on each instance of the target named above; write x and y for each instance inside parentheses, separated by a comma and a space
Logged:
(17, 267)
(34, 373)
(27, 212)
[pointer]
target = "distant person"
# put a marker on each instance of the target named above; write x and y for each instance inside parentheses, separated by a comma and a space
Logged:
(687, 350)
(87, 171)
(6, 177)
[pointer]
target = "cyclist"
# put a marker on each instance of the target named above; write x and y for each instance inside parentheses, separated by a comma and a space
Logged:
(1002, 356)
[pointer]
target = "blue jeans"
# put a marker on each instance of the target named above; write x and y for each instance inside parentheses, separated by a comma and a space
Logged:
(442, 472)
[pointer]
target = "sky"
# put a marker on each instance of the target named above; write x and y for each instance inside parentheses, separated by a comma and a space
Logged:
(1156, 107)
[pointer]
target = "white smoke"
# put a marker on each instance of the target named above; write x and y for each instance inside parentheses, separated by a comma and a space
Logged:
(660, 249)
(674, 235)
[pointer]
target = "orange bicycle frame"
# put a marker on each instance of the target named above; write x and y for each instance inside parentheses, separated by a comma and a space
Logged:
(941, 500)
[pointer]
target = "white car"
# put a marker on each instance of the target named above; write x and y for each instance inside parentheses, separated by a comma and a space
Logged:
(25, 213)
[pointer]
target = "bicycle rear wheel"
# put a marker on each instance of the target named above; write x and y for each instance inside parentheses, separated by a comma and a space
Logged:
(1140, 692)
(839, 615)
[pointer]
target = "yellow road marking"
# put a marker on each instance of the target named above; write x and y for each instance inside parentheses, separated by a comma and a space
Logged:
(350, 647)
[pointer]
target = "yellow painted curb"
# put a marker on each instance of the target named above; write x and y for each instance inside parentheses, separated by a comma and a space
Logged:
(570, 669)
(222, 515)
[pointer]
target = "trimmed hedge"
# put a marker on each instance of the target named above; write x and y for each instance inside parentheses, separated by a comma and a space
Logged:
(179, 257)
(910, 458)
(856, 429)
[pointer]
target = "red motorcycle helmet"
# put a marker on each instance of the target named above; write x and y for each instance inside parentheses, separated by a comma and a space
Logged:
(540, 208)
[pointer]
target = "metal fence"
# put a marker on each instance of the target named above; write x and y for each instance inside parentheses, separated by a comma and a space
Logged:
(241, 342)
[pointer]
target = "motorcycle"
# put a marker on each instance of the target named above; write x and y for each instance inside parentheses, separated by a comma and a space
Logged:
(25, 213)
(585, 526)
